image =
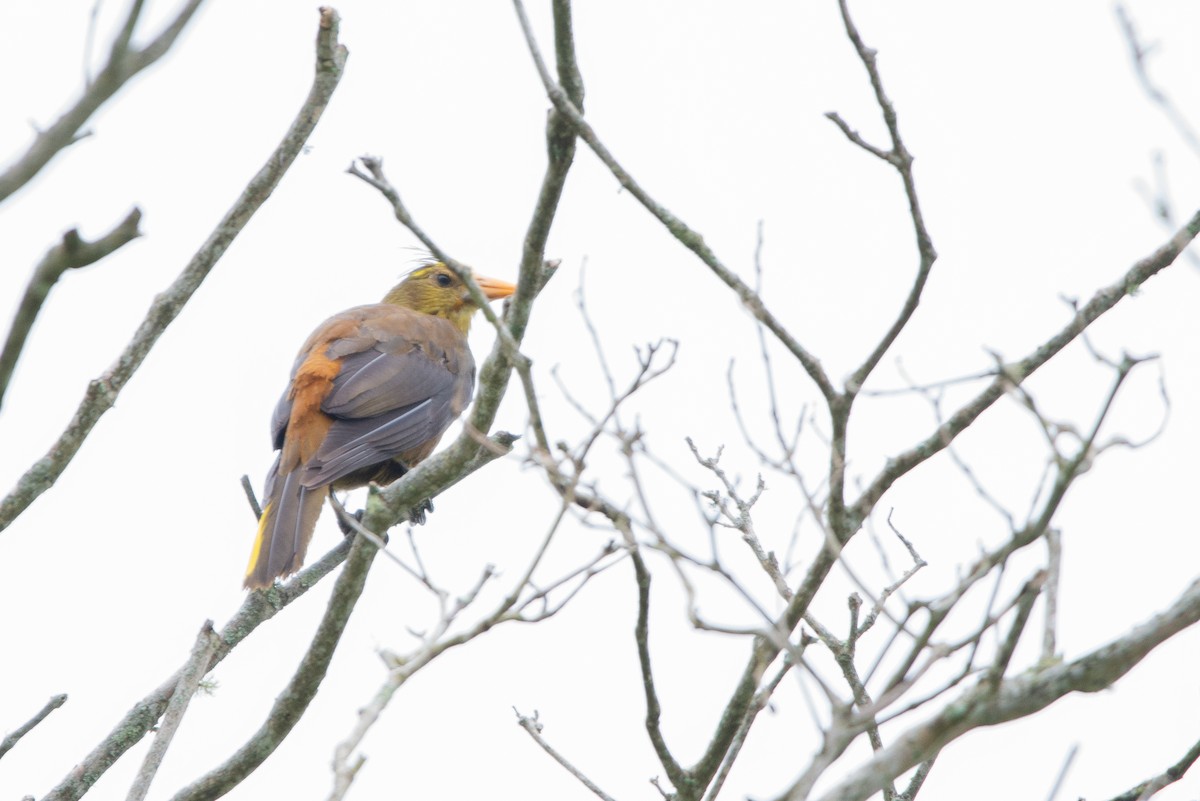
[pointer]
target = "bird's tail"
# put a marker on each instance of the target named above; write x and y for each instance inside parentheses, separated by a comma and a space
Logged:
(285, 528)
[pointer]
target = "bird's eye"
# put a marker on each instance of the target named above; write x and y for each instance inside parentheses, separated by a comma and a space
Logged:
(442, 279)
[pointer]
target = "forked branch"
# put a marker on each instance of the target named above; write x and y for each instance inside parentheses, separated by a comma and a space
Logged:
(102, 392)
(123, 63)
(71, 253)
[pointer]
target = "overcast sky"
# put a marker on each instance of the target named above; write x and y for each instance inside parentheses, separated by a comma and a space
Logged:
(1031, 135)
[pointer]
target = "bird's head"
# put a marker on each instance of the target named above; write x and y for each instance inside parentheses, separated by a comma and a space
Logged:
(434, 289)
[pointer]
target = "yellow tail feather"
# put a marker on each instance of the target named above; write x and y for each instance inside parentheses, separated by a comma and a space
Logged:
(259, 539)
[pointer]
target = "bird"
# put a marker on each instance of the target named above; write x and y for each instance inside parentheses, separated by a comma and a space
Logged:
(370, 394)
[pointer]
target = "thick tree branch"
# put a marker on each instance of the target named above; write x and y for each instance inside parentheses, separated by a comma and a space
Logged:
(258, 608)
(102, 392)
(71, 253)
(1014, 698)
(291, 704)
(123, 63)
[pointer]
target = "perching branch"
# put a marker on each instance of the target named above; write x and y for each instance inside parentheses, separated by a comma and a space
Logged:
(255, 610)
(375, 176)
(497, 367)
(291, 704)
(102, 392)
(71, 253)
(258, 608)
(123, 63)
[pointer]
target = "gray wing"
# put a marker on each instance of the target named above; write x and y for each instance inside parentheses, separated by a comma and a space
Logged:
(382, 405)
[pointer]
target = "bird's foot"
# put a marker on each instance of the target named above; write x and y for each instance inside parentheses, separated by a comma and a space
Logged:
(344, 518)
(351, 523)
(416, 515)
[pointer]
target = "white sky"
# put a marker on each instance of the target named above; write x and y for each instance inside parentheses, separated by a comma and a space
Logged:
(1029, 131)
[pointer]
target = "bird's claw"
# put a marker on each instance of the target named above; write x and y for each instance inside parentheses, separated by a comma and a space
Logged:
(416, 515)
(343, 520)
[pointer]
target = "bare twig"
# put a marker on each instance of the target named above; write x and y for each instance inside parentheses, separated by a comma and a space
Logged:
(102, 392)
(902, 160)
(16, 734)
(1158, 198)
(534, 728)
(918, 779)
(189, 680)
(511, 608)
(1053, 571)
(1028, 595)
(675, 772)
(880, 604)
(933, 396)
(761, 699)
(71, 253)
(1063, 771)
(251, 498)
(788, 444)
(376, 178)
(123, 63)
(1101, 302)
(741, 519)
(89, 42)
(1139, 52)
(911, 386)
(844, 653)
(1151, 786)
